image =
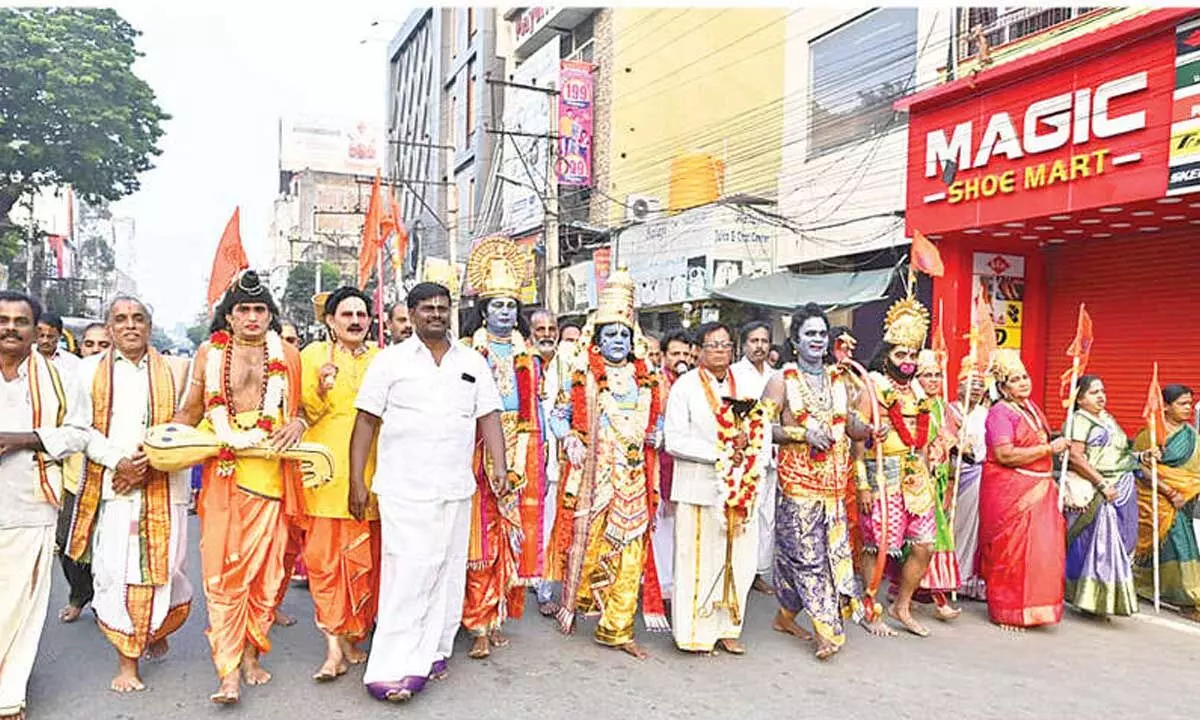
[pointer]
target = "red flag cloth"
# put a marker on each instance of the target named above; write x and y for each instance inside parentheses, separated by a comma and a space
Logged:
(56, 244)
(401, 238)
(925, 256)
(1079, 348)
(985, 330)
(1153, 412)
(229, 260)
(368, 250)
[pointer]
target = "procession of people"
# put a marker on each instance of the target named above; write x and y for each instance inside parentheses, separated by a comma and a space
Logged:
(439, 483)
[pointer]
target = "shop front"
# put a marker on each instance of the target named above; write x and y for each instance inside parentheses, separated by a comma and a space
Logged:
(1065, 177)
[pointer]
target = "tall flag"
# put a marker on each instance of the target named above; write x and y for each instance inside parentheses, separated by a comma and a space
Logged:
(925, 256)
(1079, 349)
(401, 238)
(368, 251)
(983, 333)
(1153, 413)
(229, 260)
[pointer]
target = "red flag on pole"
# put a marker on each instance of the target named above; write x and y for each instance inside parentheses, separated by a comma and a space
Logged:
(984, 331)
(1153, 413)
(1079, 349)
(368, 251)
(925, 256)
(229, 260)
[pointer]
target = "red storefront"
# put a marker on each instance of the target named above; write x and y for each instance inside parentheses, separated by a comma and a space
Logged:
(1068, 176)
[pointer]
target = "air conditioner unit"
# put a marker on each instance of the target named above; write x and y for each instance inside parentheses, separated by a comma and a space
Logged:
(639, 208)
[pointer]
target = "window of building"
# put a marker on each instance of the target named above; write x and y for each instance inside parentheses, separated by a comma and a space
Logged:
(471, 28)
(858, 71)
(1002, 25)
(470, 102)
(580, 43)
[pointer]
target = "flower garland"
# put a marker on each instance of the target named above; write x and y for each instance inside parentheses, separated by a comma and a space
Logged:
(891, 400)
(810, 414)
(523, 371)
(644, 378)
(218, 404)
(740, 478)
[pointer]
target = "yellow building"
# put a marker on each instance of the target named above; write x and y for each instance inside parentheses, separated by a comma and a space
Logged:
(682, 80)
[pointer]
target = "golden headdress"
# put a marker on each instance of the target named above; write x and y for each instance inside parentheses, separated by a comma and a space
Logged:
(497, 268)
(906, 323)
(615, 302)
(1005, 364)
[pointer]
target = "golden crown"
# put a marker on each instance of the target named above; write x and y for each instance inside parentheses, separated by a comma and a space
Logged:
(906, 324)
(1005, 364)
(497, 268)
(615, 301)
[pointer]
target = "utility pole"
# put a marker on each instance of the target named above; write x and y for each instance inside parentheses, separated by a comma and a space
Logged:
(452, 232)
(550, 224)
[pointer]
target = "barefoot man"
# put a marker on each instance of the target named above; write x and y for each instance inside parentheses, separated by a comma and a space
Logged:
(245, 390)
(339, 549)
(425, 399)
(135, 516)
(609, 417)
(813, 425)
(43, 418)
(720, 462)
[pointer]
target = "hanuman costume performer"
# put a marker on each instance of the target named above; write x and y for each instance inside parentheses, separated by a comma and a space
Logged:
(897, 497)
(813, 424)
(505, 552)
(610, 419)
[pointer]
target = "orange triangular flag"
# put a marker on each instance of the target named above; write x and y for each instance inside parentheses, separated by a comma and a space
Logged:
(1153, 412)
(368, 250)
(984, 331)
(925, 256)
(229, 260)
(401, 237)
(1080, 348)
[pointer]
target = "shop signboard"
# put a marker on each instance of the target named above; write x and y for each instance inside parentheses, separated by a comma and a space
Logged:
(575, 123)
(1001, 279)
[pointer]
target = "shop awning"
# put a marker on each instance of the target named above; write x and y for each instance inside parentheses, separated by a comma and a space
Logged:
(786, 290)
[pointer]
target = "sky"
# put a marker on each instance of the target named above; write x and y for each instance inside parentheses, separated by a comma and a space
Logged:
(226, 71)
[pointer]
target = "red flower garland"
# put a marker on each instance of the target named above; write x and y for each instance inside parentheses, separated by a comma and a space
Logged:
(896, 416)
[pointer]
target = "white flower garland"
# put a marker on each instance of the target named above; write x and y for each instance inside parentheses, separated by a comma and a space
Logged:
(218, 412)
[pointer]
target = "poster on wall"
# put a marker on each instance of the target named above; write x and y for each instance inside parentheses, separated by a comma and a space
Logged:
(523, 156)
(529, 289)
(602, 259)
(577, 290)
(1001, 278)
(575, 124)
(1184, 162)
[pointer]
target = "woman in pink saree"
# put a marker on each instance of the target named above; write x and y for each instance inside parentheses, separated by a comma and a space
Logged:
(1022, 535)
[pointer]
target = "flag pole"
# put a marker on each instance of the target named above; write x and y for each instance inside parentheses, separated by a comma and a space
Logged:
(1062, 473)
(1154, 504)
(379, 305)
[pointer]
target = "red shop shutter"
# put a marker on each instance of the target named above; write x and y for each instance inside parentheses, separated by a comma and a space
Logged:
(1143, 296)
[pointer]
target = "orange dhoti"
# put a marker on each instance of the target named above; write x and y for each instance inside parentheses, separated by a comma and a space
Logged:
(242, 547)
(492, 591)
(342, 575)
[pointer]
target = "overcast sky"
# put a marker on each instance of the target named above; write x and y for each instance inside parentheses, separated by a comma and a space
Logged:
(226, 71)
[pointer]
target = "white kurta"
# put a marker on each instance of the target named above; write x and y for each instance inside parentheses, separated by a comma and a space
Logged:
(116, 546)
(27, 519)
(766, 506)
(699, 615)
(552, 377)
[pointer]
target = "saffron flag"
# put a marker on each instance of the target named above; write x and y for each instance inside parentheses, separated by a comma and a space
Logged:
(229, 260)
(925, 256)
(1153, 412)
(983, 334)
(368, 251)
(1080, 348)
(401, 243)
(937, 342)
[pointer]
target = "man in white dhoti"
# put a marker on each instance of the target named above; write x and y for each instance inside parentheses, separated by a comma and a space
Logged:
(42, 420)
(756, 345)
(556, 358)
(718, 446)
(135, 516)
(425, 398)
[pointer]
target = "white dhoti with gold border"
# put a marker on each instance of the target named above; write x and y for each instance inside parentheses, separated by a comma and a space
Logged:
(699, 612)
(26, 561)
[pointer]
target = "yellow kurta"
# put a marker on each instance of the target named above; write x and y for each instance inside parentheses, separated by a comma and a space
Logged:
(331, 421)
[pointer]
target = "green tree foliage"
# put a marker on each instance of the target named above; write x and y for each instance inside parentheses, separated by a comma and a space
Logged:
(160, 340)
(301, 286)
(72, 111)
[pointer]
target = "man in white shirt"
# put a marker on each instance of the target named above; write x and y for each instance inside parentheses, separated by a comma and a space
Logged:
(42, 420)
(716, 544)
(135, 516)
(756, 345)
(555, 356)
(49, 337)
(424, 398)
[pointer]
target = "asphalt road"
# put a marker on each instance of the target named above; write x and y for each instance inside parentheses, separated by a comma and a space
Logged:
(1083, 668)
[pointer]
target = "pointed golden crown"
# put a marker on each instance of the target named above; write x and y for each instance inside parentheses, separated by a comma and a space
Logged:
(1005, 364)
(497, 268)
(615, 302)
(906, 323)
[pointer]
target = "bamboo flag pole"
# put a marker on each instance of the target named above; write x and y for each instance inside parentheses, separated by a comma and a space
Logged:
(1154, 500)
(1062, 474)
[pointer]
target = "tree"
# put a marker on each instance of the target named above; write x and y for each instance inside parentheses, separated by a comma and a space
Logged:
(160, 340)
(72, 111)
(301, 286)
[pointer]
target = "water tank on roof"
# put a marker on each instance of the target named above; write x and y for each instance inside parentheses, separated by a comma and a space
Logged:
(696, 179)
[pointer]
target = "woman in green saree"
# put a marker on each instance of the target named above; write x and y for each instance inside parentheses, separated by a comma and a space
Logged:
(1178, 488)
